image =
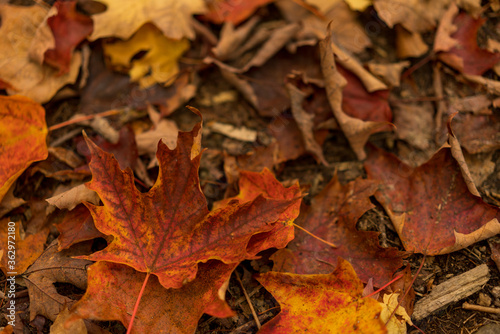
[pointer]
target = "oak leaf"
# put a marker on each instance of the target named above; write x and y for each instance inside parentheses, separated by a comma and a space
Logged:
(22, 133)
(22, 74)
(332, 216)
(123, 18)
(330, 303)
(169, 230)
(157, 65)
(431, 206)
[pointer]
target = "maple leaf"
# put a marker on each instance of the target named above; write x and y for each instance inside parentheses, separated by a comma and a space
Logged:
(169, 230)
(69, 28)
(332, 216)
(321, 303)
(431, 206)
(162, 310)
(467, 56)
(24, 76)
(220, 11)
(124, 17)
(22, 133)
(159, 63)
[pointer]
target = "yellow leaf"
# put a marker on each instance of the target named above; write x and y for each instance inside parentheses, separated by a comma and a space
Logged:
(21, 74)
(158, 65)
(123, 17)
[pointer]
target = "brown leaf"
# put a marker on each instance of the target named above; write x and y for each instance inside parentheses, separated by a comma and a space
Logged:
(26, 77)
(73, 197)
(76, 227)
(332, 216)
(51, 267)
(430, 206)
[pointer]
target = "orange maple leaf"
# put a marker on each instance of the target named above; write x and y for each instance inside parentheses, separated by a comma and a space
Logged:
(322, 303)
(169, 230)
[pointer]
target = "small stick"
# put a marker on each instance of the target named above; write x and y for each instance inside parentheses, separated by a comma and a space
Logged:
(256, 318)
(383, 287)
(467, 306)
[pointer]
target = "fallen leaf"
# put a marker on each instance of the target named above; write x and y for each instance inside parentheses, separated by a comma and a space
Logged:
(241, 133)
(443, 40)
(173, 310)
(430, 206)
(147, 141)
(69, 28)
(26, 77)
(409, 44)
(477, 133)
(389, 73)
(157, 65)
(332, 216)
(391, 314)
(10, 202)
(412, 123)
(467, 57)
(73, 197)
(108, 90)
(22, 133)
(27, 248)
(51, 267)
(231, 39)
(416, 16)
(235, 12)
(359, 5)
(176, 201)
(123, 18)
(77, 226)
(305, 122)
(321, 303)
(356, 130)
(358, 102)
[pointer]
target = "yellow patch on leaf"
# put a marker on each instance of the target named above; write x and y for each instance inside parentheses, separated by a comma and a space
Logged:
(331, 303)
(22, 136)
(158, 65)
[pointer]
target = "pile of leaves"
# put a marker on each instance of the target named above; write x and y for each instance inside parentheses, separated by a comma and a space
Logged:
(329, 149)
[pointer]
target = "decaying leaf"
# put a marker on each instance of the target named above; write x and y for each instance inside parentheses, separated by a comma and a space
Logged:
(22, 133)
(69, 28)
(356, 130)
(24, 76)
(169, 230)
(430, 206)
(332, 216)
(157, 65)
(123, 18)
(321, 303)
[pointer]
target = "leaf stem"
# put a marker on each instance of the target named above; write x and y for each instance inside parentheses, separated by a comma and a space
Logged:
(383, 287)
(136, 307)
(84, 118)
(314, 236)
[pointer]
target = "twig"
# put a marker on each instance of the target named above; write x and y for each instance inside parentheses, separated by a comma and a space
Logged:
(467, 306)
(256, 318)
(84, 118)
